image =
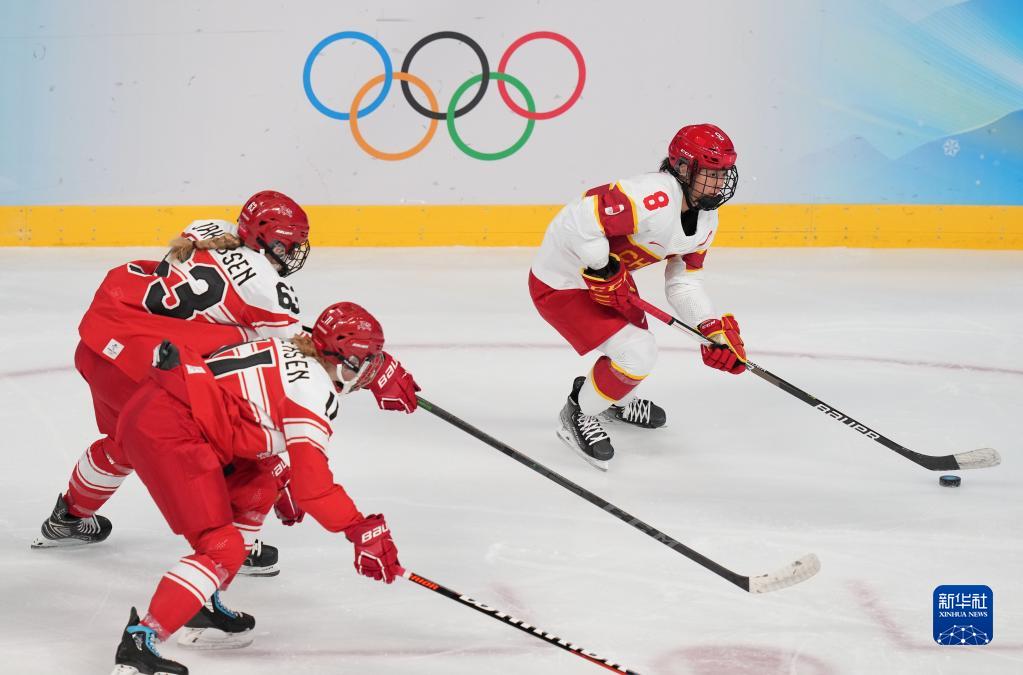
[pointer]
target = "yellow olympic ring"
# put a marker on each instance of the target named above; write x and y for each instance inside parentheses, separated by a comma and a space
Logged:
(392, 156)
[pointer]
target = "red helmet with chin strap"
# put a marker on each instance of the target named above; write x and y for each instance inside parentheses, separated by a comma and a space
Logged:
(274, 223)
(347, 335)
(703, 156)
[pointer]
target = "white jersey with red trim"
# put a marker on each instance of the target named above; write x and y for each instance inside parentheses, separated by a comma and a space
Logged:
(641, 220)
(289, 393)
(258, 299)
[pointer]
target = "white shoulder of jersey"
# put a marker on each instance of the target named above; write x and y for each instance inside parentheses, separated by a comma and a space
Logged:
(207, 229)
(260, 286)
(647, 184)
(658, 200)
(652, 194)
(307, 384)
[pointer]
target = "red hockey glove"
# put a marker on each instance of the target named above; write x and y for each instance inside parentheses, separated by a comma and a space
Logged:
(286, 509)
(612, 285)
(394, 387)
(375, 553)
(729, 353)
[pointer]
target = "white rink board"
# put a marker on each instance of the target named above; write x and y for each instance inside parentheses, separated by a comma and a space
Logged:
(921, 345)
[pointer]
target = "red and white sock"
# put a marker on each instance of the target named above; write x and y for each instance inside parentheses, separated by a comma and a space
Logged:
(95, 479)
(249, 524)
(182, 592)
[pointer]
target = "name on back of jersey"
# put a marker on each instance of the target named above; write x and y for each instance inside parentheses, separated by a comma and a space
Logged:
(236, 265)
(296, 364)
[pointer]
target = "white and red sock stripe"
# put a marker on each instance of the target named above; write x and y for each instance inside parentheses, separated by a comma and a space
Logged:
(194, 577)
(94, 480)
(250, 533)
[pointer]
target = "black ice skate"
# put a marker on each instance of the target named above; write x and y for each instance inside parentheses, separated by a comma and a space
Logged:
(63, 529)
(137, 655)
(261, 561)
(217, 627)
(639, 413)
(583, 433)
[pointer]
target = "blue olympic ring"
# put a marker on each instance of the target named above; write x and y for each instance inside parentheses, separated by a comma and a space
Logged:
(330, 39)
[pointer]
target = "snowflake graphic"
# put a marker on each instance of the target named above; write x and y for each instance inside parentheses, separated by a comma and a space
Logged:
(963, 635)
(951, 147)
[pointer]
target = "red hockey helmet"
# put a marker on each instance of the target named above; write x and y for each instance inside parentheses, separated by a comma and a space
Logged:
(349, 337)
(274, 223)
(702, 158)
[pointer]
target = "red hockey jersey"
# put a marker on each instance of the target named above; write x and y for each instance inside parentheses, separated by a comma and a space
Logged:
(265, 397)
(212, 299)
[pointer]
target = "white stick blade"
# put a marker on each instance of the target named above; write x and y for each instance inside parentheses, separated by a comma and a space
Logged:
(790, 575)
(978, 459)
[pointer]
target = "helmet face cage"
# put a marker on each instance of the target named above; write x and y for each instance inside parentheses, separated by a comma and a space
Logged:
(365, 369)
(715, 186)
(288, 260)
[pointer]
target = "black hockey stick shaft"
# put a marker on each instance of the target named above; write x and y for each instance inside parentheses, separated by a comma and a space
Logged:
(550, 638)
(723, 572)
(932, 462)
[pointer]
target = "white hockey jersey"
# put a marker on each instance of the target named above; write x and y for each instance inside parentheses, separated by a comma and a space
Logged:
(641, 220)
(268, 305)
(289, 393)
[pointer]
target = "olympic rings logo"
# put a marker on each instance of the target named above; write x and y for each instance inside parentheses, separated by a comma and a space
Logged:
(452, 112)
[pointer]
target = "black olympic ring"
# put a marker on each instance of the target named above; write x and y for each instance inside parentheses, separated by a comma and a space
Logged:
(433, 37)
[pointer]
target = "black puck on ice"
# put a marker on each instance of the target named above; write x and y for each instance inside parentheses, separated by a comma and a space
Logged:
(950, 481)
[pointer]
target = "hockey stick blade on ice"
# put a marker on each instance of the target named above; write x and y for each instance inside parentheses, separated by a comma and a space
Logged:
(791, 574)
(517, 623)
(970, 459)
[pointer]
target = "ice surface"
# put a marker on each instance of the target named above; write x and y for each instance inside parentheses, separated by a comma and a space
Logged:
(924, 346)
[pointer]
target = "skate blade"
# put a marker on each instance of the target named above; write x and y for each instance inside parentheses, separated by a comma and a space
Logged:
(43, 542)
(122, 669)
(213, 638)
(567, 439)
(268, 571)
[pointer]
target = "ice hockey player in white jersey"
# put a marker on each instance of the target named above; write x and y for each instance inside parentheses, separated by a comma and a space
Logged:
(580, 281)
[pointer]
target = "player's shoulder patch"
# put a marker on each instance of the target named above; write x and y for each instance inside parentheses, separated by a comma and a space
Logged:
(614, 209)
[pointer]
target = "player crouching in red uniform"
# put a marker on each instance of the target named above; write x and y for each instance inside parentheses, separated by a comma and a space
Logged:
(581, 284)
(244, 403)
(221, 283)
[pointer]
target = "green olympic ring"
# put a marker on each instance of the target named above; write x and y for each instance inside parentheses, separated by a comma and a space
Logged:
(501, 154)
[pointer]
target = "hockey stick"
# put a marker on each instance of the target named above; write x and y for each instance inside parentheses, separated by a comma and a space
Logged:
(518, 623)
(971, 459)
(791, 574)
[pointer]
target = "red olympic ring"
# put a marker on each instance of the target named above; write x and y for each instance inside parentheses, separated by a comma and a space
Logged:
(580, 64)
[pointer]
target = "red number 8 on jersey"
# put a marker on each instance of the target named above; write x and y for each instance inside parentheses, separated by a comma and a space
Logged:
(655, 201)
